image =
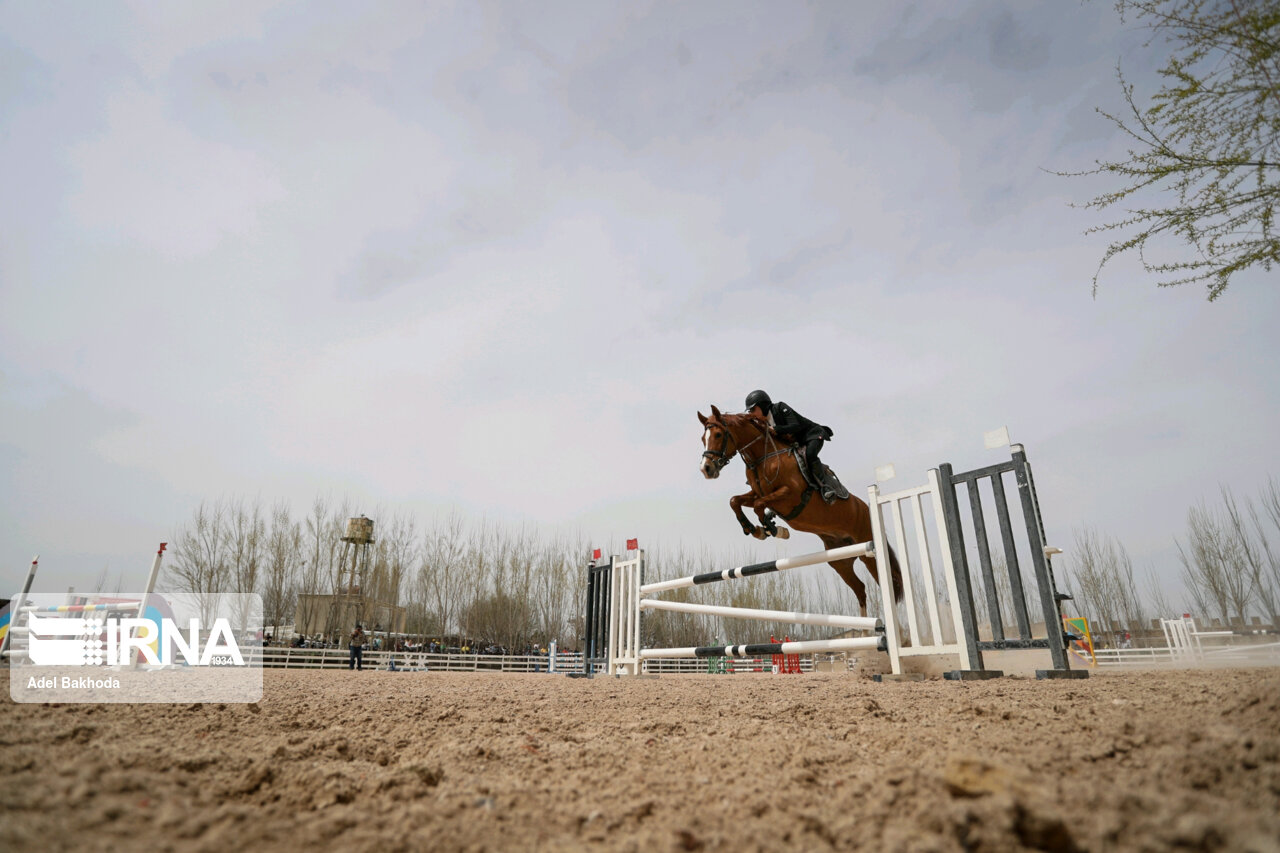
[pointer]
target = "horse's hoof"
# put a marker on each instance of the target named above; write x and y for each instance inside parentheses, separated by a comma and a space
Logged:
(783, 533)
(760, 533)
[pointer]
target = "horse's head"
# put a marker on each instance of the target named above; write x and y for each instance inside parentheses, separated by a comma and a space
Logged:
(718, 446)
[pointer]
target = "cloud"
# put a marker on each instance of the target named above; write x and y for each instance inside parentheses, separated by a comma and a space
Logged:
(150, 181)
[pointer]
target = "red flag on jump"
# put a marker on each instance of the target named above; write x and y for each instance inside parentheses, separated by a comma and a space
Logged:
(633, 544)
(595, 555)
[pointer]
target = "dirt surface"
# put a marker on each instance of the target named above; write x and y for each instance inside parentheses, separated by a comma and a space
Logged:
(439, 761)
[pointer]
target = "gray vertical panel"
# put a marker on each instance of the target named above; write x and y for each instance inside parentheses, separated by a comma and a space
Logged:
(1044, 575)
(1011, 558)
(959, 562)
(600, 579)
(984, 557)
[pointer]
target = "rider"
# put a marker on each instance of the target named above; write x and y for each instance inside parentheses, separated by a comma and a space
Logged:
(796, 428)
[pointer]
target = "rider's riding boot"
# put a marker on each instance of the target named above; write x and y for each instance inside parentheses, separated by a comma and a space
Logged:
(817, 469)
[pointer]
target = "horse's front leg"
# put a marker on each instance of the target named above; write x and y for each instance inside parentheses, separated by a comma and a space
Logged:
(737, 502)
(781, 496)
(768, 520)
(766, 507)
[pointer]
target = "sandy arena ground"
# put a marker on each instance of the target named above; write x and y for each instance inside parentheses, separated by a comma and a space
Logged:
(437, 761)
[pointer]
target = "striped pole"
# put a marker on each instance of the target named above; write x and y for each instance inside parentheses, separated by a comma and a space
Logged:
(845, 553)
(753, 649)
(81, 608)
(863, 623)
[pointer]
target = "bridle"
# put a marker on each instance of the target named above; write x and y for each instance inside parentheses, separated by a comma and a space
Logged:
(719, 458)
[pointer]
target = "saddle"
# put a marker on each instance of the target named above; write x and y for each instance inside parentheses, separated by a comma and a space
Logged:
(829, 476)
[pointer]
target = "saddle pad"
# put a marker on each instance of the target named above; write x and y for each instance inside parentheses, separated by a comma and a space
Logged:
(832, 480)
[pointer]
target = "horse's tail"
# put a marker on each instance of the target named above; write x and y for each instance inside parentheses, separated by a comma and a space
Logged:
(895, 572)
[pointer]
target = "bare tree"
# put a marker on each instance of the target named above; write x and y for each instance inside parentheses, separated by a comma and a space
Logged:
(201, 563)
(1158, 599)
(1253, 550)
(283, 561)
(246, 532)
(335, 554)
(395, 554)
(1269, 579)
(1214, 566)
(316, 535)
(513, 561)
(550, 594)
(1108, 592)
(441, 574)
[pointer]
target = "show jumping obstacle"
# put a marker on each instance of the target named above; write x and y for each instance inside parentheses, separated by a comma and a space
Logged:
(19, 605)
(617, 595)
(628, 600)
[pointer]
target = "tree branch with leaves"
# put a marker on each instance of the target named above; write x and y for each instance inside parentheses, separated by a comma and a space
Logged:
(1210, 138)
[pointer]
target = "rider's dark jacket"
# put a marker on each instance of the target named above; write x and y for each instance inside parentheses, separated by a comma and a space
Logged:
(795, 427)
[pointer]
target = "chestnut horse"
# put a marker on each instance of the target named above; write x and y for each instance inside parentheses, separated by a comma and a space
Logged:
(778, 488)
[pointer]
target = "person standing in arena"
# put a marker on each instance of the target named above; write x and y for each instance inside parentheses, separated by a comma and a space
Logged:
(356, 645)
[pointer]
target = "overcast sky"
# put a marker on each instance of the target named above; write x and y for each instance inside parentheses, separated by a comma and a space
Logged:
(497, 256)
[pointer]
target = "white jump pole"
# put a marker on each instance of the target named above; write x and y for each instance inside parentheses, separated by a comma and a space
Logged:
(865, 623)
(793, 648)
(844, 553)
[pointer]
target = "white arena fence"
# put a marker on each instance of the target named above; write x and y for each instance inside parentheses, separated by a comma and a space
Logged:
(1187, 647)
(339, 658)
(565, 662)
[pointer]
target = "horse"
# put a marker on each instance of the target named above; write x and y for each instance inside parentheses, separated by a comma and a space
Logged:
(778, 489)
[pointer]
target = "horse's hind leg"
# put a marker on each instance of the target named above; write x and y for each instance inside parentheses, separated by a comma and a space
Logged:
(844, 568)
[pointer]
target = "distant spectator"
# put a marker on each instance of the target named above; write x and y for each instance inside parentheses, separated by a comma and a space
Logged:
(356, 645)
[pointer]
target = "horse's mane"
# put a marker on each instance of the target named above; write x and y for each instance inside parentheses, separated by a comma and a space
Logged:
(746, 417)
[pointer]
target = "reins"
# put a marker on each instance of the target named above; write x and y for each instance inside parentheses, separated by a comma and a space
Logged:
(723, 458)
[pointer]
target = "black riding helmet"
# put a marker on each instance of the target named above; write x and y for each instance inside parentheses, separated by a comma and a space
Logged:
(761, 399)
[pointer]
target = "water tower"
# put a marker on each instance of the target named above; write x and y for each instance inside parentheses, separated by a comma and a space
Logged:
(353, 572)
